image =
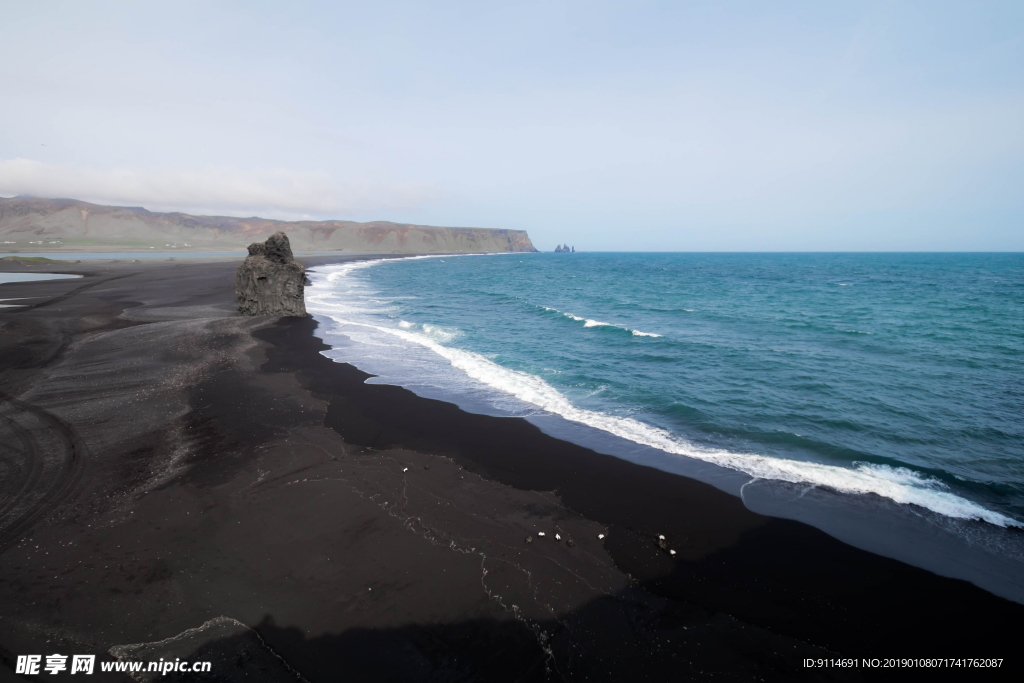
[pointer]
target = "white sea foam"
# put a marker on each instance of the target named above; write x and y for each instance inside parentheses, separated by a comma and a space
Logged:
(441, 334)
(900, 485)
(587, 322)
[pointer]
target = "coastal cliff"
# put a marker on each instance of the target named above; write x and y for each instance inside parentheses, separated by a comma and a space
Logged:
(32, 224)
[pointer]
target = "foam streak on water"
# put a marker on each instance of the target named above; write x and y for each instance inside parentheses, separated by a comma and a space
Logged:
(587, 322)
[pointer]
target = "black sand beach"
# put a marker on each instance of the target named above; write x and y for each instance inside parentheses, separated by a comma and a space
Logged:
(166, 462)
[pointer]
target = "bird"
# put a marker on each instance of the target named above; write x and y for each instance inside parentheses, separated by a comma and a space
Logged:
(540, 533)
(558, 537)
(600, 537)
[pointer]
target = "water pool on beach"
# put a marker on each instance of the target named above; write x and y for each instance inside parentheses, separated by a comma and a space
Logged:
(27, 277)
(892, 376)
(33, 277)
(130, 255)
(123, 255)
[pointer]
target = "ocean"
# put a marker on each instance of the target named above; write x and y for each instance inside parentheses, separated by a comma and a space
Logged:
(892, 382)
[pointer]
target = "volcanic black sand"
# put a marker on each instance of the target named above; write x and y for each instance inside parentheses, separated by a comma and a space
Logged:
(165, 462)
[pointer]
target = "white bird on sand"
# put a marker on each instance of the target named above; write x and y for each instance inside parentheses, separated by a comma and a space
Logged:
(600, 537)
(557, 537)
(540, 533)
(671, 552)
(405, 469)
(661, 537)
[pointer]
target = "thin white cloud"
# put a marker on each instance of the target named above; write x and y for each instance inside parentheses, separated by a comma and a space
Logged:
(277, 193)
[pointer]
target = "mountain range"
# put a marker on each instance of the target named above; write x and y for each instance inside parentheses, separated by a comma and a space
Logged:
(31, 224)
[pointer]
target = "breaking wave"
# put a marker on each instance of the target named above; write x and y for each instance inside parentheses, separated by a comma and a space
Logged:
(587, 322)
(897, 484)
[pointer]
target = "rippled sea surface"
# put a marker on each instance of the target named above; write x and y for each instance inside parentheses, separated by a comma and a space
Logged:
(898, 375)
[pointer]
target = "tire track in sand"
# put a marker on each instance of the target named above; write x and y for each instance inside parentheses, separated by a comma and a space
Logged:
(37, 494)
(65, 463)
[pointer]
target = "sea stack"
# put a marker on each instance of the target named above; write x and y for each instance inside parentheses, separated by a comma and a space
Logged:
(270, 281)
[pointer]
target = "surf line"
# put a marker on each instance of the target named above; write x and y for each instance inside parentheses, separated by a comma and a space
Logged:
(899, 485)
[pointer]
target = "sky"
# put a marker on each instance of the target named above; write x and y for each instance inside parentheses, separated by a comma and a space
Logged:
(623, 126)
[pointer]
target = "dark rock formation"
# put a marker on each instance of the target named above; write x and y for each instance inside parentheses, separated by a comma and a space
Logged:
(565, 249)
(270, 280)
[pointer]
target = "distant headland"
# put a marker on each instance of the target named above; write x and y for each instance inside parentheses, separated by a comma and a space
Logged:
(29, 224)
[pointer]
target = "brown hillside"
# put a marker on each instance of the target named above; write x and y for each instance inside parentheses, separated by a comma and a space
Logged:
(32, 224)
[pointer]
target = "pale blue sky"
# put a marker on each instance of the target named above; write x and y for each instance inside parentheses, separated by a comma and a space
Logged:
(613, 126)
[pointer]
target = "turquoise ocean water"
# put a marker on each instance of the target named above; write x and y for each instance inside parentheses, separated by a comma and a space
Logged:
(889, 377)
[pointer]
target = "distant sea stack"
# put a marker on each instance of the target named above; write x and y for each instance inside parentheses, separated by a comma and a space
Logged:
(270, 281)
(565, 249)
(30, 224)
